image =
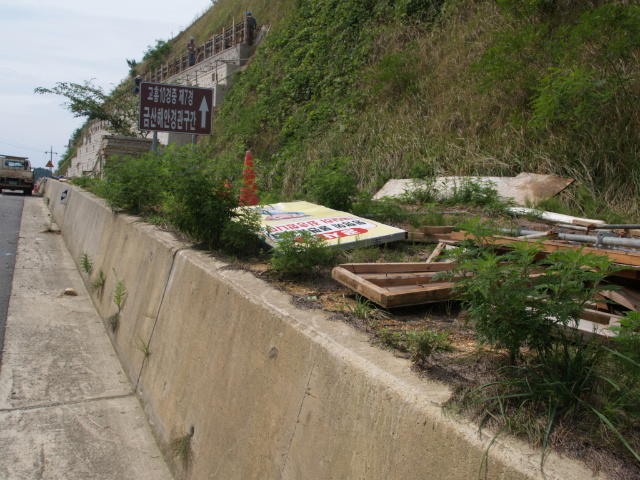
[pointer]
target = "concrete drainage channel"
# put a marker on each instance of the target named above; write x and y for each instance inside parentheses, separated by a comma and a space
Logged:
(237, 383)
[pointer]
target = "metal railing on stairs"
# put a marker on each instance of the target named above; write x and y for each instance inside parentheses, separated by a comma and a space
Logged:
(237, 34)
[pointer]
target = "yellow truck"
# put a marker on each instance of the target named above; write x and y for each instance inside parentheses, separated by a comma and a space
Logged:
(16, 174)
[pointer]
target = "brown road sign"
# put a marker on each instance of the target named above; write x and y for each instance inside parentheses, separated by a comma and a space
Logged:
(175, 108)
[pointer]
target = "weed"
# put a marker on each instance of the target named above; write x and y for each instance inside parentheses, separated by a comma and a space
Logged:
(427, 215)
(114, 321)
(85, 182)
(180, 447)
(119, 293)
(361, 255)
(143, 347)
(362, 307)
(391, 339)
(510, 308)
(627, 343)
(423, 343)
(300, 253)
(420, 344)
(393, 255)
(133, 184)
(86, 264)
(384, 210)
(555, 386)
(240, 236)
(98, 284)
(423, 191)
(330, 185)
(196, 201)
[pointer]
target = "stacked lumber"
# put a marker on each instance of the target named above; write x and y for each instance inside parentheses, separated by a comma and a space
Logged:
(397, 284)
(404, 284)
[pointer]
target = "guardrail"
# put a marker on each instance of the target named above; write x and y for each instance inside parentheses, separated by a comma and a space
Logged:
(218, 43)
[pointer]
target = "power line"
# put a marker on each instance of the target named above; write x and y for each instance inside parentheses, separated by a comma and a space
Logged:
(17, 145)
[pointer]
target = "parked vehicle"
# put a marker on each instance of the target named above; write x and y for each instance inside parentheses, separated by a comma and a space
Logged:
(16, 174)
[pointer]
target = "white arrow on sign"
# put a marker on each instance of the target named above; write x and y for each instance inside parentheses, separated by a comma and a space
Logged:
(204, 108)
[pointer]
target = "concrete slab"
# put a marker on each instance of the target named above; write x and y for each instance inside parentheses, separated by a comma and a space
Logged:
(67, 410)
(524, 188)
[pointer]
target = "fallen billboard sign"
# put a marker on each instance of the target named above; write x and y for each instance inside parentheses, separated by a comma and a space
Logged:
(337, 228)
(175, 108)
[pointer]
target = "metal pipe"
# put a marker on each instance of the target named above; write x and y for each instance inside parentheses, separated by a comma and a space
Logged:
(614, 226)
(576, 239)
(572, 227)
(615, 241)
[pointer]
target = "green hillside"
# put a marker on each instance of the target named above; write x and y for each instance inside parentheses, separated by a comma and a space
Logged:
(413, 88)
(410, 88)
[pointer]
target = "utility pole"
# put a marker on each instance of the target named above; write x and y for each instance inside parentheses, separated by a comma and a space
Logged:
(50, 164)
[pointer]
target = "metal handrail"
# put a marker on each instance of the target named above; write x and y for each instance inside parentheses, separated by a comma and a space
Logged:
(218, 43)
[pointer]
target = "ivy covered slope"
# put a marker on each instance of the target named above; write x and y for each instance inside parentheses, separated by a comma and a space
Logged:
(409, 88)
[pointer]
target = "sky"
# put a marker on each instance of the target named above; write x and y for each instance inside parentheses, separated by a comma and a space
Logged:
(43, 42)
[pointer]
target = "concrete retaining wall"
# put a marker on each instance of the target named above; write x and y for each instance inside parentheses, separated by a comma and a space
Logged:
(271, 391)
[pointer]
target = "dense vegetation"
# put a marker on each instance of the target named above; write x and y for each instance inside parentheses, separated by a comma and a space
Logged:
(415, 88)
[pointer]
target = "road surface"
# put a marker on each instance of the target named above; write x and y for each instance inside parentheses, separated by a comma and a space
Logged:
(10, 214)
(67, 409)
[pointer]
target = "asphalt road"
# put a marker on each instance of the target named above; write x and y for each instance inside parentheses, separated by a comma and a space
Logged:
(10, 215)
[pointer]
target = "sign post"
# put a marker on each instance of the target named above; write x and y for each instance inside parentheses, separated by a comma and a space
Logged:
(175, 109)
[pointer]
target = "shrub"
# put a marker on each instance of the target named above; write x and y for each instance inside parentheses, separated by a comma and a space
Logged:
(424, 342)
(331, 185)
(133, 184)
(87, 183)
(197, 202)
(300, 253)
(383, 210)
(510, 308)
(627, 344)
(240, 236)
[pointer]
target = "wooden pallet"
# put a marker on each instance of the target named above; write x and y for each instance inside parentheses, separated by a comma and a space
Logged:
(397, 284)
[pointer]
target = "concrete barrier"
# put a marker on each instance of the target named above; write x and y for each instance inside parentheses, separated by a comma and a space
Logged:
(267, 390)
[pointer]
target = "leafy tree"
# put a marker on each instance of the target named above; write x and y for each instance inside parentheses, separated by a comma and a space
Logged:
(117, 108)
(154, 56)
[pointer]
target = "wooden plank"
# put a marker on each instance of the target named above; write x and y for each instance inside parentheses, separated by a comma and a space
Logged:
(388, 282)
(436, 252)
(394, 294)
(630, 273)
(603, 318)
(426, 288)
(550, 246)
(402, 278)
(401, 267)
(372, 292)
(436, 230)
(417, 296)
(426, 237)
(625, 296)
(585, 222)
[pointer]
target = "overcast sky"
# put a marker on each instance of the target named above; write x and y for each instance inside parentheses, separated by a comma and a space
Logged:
(43, 42)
